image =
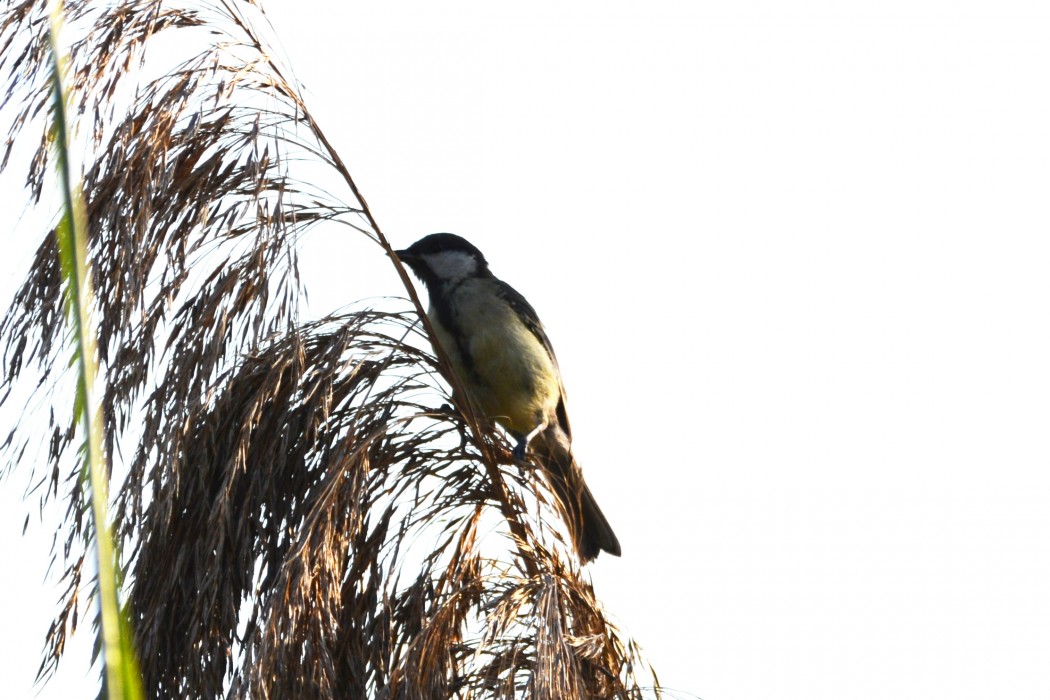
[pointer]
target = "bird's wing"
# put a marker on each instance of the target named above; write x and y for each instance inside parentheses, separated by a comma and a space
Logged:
(531, 320)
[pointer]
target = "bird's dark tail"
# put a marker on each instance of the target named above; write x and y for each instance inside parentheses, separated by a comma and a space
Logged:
(591, 532)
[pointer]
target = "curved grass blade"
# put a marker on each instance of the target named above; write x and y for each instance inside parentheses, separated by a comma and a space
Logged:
(121, 674)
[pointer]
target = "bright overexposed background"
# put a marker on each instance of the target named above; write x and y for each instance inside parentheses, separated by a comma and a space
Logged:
(795, 261)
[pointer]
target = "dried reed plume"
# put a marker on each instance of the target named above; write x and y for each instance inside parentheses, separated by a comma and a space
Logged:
(303, 512)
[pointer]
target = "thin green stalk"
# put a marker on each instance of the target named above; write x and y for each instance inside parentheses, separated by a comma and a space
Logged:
(120, 667)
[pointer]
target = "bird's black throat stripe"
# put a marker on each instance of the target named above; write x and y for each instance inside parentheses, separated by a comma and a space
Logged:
(451, 323)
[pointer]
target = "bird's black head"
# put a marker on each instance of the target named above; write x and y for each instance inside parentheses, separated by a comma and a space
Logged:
(442, 257)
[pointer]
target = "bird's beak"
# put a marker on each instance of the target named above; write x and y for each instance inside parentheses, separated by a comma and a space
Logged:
(404, 255)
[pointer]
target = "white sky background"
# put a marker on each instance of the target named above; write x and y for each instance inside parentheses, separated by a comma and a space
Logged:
(794, 258)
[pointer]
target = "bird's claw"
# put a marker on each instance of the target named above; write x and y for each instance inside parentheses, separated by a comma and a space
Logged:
(519, 452)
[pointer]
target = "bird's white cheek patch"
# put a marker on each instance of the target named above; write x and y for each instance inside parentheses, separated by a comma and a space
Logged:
(452, 264)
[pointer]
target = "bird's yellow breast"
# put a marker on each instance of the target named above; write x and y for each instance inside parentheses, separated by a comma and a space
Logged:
(507, 370)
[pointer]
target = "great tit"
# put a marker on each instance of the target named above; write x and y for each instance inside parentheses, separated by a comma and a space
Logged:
(504, 361)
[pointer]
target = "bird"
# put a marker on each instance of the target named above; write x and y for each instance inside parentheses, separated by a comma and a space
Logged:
(506, 364)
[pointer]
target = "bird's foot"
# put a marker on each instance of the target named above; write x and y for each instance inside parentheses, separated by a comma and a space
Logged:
(523, 444)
